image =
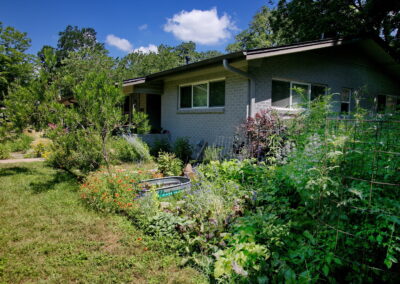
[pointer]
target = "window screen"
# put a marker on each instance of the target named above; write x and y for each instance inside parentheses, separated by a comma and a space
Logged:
(186, 97)
(217, 94)
(200, 95)
(280, 94)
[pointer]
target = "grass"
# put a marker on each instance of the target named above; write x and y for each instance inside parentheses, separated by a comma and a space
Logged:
(48, 235)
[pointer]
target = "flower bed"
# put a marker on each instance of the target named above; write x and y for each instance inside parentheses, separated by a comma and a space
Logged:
(116, 192)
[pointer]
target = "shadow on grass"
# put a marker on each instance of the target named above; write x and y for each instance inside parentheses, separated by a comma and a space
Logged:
(15, 171)
(58, 178)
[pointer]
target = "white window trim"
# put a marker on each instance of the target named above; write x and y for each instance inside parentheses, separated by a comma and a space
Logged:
(208, 94)
(291, 108)
(291, 92)
(350, 97)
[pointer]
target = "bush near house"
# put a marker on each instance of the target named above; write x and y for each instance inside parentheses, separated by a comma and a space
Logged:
(129, 151)
(160, 145)
(182, 149)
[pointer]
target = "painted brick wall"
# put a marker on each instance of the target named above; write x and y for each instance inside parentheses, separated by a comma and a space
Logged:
(205, 126)
(343, 67)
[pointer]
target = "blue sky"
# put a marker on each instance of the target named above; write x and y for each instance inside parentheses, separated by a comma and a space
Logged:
(127, 26)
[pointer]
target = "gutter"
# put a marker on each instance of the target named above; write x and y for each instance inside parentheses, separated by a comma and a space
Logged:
(252, 92)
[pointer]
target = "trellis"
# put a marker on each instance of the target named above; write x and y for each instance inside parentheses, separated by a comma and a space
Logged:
(370, 156)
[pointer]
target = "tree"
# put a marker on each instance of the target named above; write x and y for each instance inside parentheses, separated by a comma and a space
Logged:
(138, 64)
(15, 64)
(73, 39)
(99, 101)
(302, 20)
(259, 34)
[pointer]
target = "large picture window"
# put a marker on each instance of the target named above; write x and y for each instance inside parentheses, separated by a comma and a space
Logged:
(289, 94)
(202, 95)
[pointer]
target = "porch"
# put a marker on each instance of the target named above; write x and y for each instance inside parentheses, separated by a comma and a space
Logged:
(144, 98)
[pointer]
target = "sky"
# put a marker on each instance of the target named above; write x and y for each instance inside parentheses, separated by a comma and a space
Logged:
(132, 26)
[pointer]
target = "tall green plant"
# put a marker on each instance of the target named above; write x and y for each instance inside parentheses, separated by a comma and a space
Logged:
(98, 105)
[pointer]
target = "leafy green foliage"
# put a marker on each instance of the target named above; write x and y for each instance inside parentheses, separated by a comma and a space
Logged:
(160, 145)
(182, 149)
(338, 18)
(169, 164)
(22, 143)
(73, 39)
(5, 151)
(78, 152)
(211, 154)
(258, 34)
(15, 64)
(141, 122)
(289, 22)
(129, 151)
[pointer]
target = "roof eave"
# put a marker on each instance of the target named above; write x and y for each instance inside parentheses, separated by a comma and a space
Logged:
(295, 48)
(141, 80)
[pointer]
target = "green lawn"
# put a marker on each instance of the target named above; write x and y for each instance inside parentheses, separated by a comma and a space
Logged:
(48, 235)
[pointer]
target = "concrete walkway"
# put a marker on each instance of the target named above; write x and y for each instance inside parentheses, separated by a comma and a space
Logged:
(14, 161)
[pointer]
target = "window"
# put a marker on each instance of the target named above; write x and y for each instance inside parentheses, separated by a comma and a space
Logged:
(387, 103)
(345, 98)
(186, 97)
(280, 94)
(300, 94)
(287, 94)
(217, 94)
(317, 91)
(202, 95)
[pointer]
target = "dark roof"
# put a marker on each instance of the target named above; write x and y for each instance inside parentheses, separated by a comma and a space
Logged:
(262, 52)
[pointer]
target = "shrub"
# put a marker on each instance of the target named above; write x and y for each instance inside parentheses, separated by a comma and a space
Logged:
(78, 152)
(113, 193)
(182, 149)
(129, 151)
(160, 145)
(212, 154)
(21, 143)
(4, 151)
(261, 137)
(41, 148)
(141, 122)
(169, 165)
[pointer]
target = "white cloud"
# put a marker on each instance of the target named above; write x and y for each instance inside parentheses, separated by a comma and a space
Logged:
(143, 27)
(147, 49)
(120, 43)
(203, 27)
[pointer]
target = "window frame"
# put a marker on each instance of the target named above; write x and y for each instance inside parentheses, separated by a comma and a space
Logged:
(208, 94)
(350, 98)
(386, 102)
(291, 82)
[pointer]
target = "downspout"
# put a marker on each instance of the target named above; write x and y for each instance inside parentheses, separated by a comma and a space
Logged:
(252, 93)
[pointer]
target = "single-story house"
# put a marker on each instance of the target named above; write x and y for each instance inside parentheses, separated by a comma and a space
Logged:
(210, 98)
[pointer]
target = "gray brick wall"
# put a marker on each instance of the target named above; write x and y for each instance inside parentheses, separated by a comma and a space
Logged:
(202, 125)
(343, 67)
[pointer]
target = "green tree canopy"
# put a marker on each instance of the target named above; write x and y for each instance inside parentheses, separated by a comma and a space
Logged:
(15, 64)
(302, 20)
(73, 39)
